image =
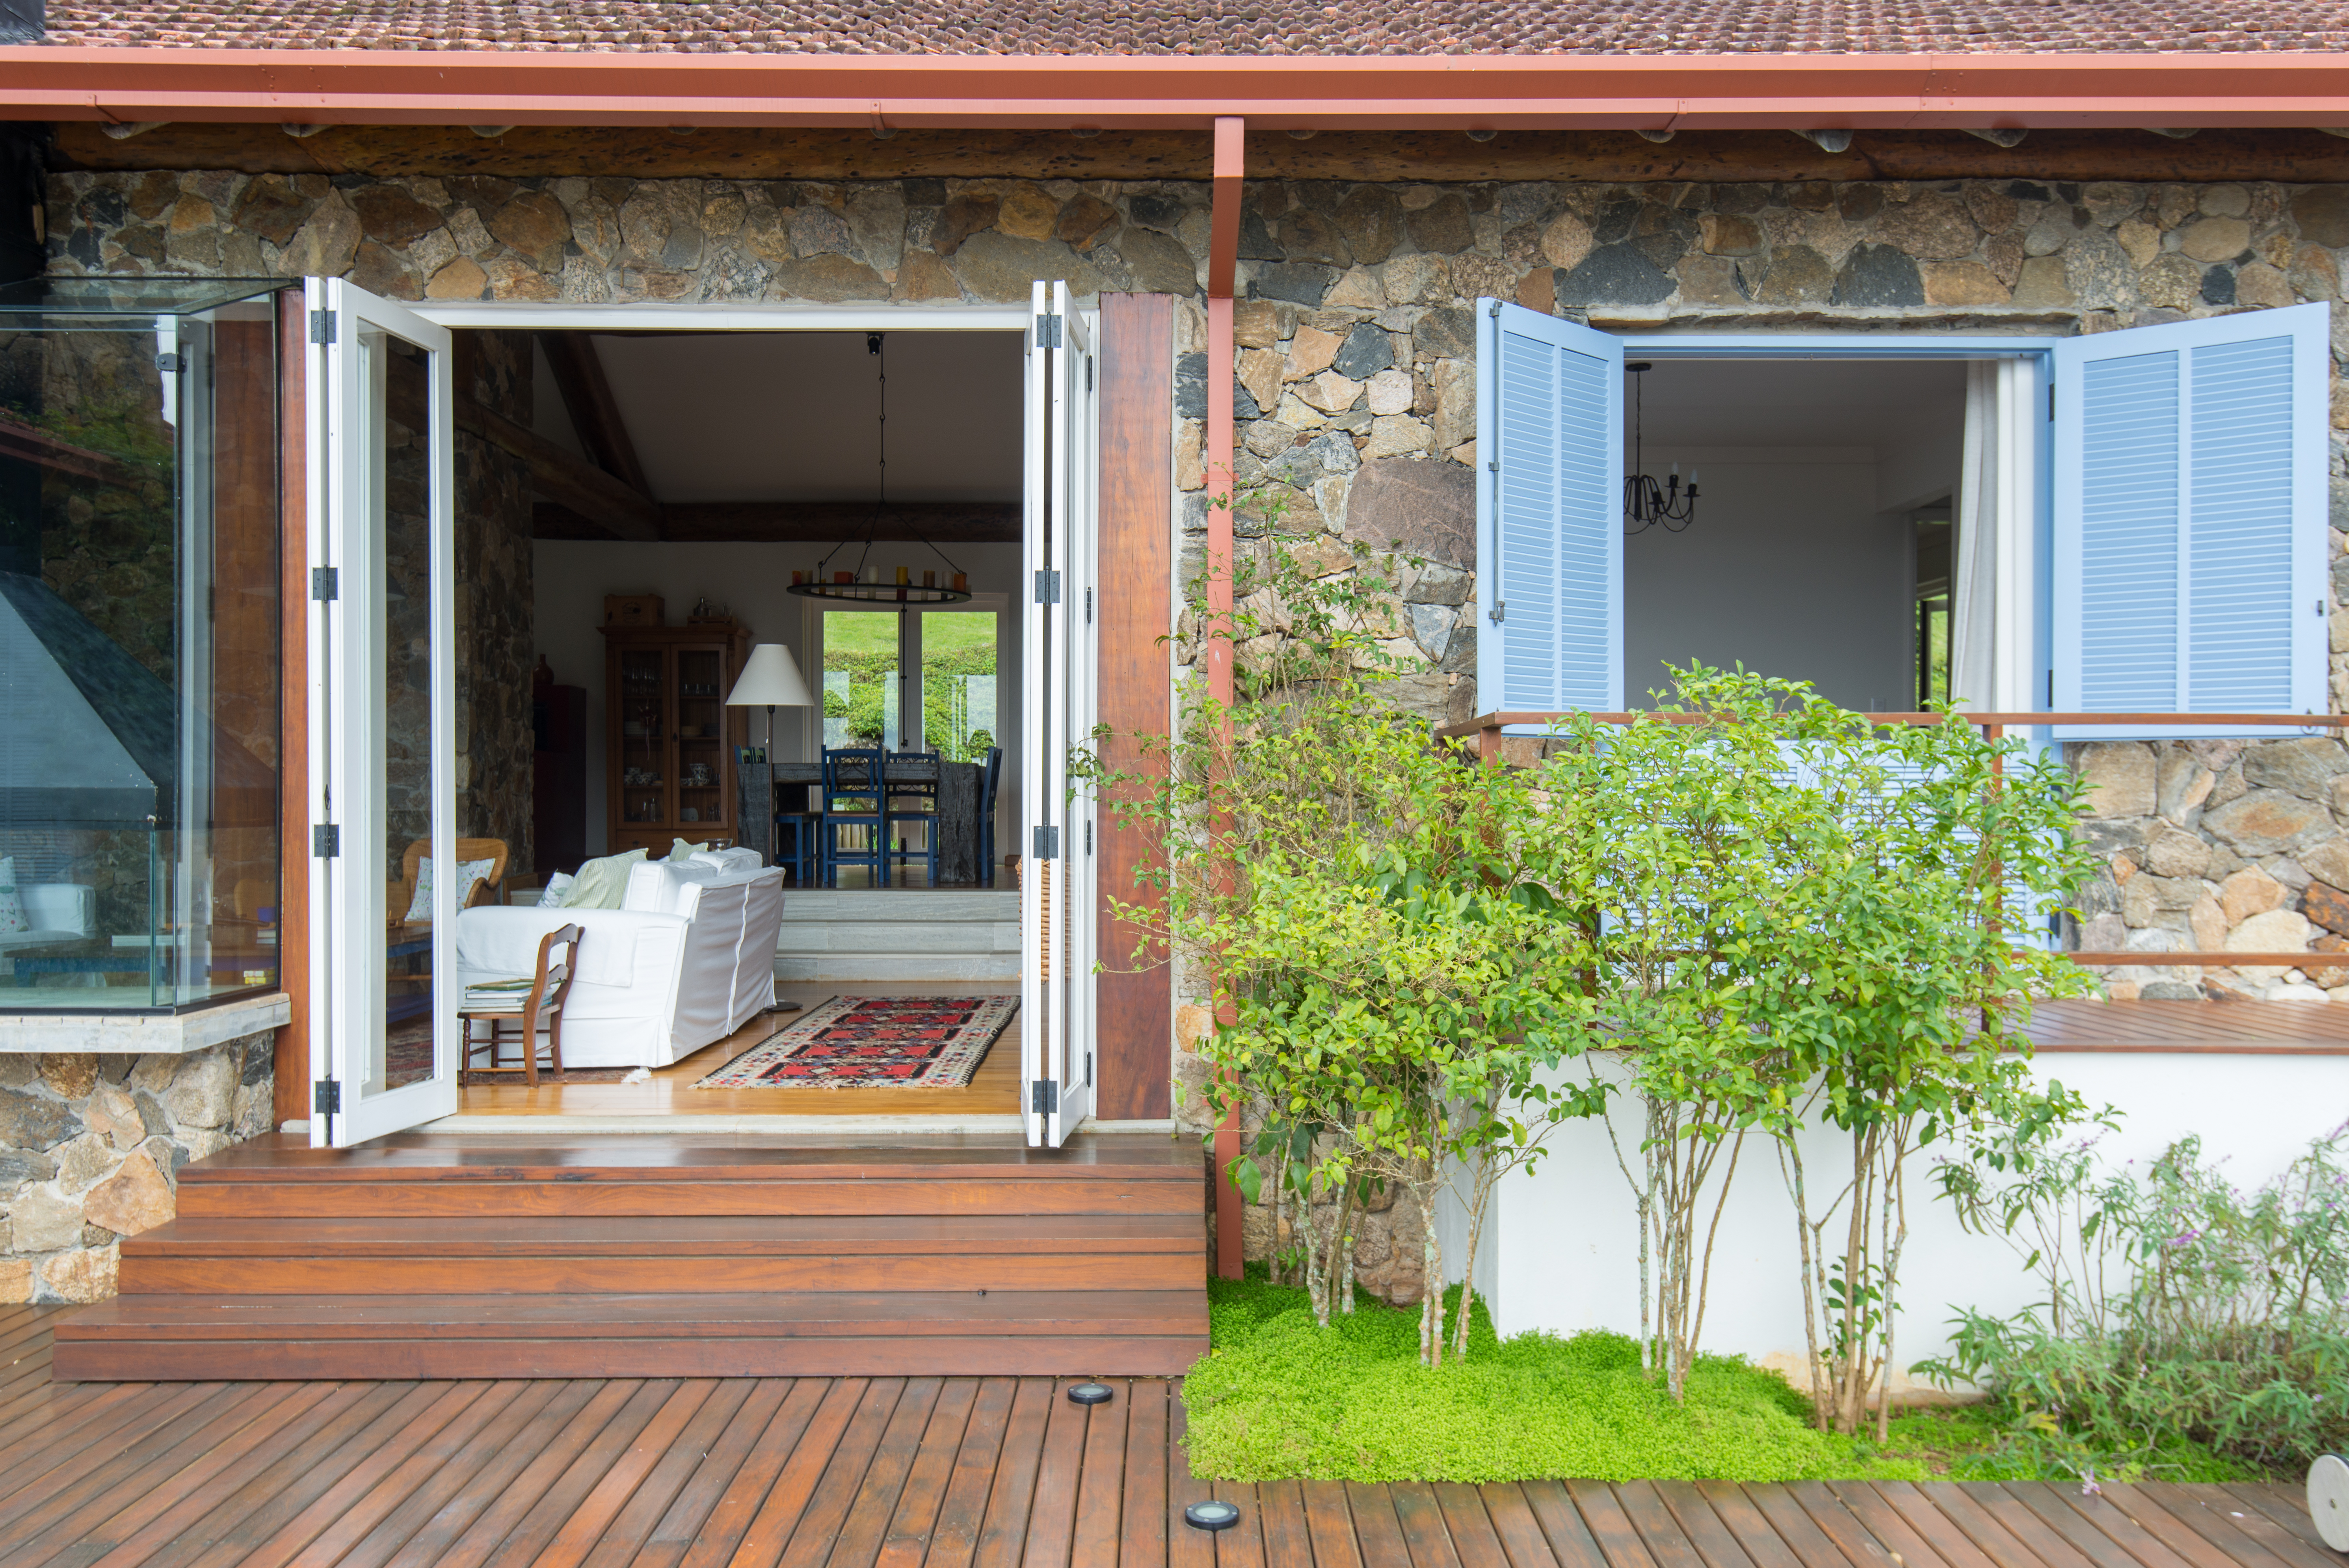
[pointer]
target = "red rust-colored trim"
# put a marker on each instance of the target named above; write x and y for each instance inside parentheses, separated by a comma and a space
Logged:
(1222, 266)
(1748, 91)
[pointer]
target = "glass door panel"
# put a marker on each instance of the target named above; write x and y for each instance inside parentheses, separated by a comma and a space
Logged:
(382, 718)
(860, 679)
(958, 670)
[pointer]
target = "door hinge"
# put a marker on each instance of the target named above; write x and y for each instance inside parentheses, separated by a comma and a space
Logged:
(325, 583)
(1089, 607)
(322, 326)
(2050, 691)
(326, 1098)
(168, 363)
(1048, 844)
(1089, 372)
(1044, 1098)
(1047, 588)
(1047, 332)
(1496, 309)
(2051, 399)
(325, 841)
(1089, 836)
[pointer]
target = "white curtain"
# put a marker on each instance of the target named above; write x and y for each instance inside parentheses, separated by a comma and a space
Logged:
(1987, 623)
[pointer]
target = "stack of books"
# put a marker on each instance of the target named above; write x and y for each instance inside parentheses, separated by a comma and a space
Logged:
(498, 995)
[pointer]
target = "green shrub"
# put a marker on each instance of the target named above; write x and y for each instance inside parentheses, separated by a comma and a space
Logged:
(2181, 1312)
(1280, 1396)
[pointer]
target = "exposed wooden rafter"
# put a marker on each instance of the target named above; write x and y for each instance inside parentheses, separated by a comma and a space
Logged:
(595, 414)
(944, 522)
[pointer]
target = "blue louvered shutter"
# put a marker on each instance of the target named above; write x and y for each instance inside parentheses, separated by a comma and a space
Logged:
(1549, 535)
(2189, 519)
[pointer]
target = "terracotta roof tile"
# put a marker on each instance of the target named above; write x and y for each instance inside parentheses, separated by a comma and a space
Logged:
(1214, 27)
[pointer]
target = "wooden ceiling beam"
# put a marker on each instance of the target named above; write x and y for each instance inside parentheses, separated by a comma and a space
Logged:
(942, 522)
(742, 152)
(587, 395)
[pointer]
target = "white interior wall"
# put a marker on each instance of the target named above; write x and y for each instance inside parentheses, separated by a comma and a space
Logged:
(751, 580)
(1564, 1241)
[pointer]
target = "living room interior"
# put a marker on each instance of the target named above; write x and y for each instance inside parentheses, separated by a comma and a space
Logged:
(634, 513)
(1818, 545)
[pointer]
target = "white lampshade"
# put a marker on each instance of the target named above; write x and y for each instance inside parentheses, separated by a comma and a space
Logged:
(771, 678)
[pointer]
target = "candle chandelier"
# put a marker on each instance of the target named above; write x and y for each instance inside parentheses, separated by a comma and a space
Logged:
(1646, 503)
(861, 582)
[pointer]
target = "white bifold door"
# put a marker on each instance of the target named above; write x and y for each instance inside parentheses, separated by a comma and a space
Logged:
(382, 710)
(1057, 678)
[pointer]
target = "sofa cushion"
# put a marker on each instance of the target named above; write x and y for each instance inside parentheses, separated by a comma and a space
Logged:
(658, 886)
(602, 884)
(735, 859)
(12, 908)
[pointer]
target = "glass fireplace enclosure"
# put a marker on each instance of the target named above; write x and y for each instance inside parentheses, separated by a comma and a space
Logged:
(140, 668)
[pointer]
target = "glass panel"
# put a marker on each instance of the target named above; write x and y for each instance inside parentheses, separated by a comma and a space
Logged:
(860, 679)
(958, 684)
(644, 728)
(401, 491)
(139, 658)
(700, 739)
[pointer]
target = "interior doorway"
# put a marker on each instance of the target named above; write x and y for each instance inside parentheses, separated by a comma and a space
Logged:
(624, 504)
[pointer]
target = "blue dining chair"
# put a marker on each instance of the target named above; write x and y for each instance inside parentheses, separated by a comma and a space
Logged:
(855, 802)
(923, 794)
(987, 786)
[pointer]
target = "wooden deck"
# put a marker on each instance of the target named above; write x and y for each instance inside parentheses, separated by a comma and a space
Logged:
(908, 1472)
(2280, 1028)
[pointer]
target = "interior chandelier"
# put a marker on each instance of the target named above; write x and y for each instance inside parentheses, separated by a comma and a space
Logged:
(863, 583)
(1646, 503)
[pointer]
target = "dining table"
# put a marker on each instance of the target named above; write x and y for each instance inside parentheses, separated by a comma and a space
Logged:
(796, 786)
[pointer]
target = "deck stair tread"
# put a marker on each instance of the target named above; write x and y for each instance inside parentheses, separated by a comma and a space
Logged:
(440, 1255)
(630, 1235)
(729, 1314)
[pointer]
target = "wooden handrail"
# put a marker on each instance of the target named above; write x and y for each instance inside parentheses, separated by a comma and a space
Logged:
(1491, 722)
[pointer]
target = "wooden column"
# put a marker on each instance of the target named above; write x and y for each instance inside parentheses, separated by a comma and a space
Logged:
(1134, 1011)
(292, 1053)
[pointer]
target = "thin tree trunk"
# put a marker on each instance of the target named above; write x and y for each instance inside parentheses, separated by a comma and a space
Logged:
(1790, 1166)
(1896, 1227)
(1280, 1199)
(1431, 1320)
(1340, 1266)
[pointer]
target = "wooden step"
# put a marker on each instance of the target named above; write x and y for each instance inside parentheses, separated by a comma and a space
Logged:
(477, 1255)
(179, 1338)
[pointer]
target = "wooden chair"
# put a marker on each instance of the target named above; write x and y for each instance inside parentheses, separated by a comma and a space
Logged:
(924, 792)
(491, 889)
(540, 1007)
(856, 800)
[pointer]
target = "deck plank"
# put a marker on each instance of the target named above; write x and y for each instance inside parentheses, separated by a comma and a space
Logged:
(2227, 1512)
(496, 1513)
(1514, 1521)
(835, 1491)
(962, 1516)
(1465, 1520)
(2165, 1526)
(1185, 1547)
(1570, 1538)
(906, 1540)
(1714, 1540)
(1241, 1546)
(712, 1470)
(858, 1541)
(1142, 1533)
(2288, 1511)
(755, 1517)
(579, 1530)
(1052, 1508)
(1762, 1544)
(1667, 1543)
(501, 1438)
(1377, 1528)
(633, 1525)
(1100, 1490)
(737, 1491)
(1894, 1532)
(1003, 1532)
(1611, 1527)
(208, 1422)
(379, 1519)
(1991, 1538)
(1801, 1533)
(2110, 1516)
(1287, 1530)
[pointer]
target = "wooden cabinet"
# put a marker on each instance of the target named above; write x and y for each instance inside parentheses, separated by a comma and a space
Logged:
(668, 736)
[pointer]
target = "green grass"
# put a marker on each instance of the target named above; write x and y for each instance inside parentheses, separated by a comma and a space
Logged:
(1277, 1397)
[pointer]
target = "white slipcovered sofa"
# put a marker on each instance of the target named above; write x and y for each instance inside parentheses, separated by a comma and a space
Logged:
(56, 911)
(687, 959)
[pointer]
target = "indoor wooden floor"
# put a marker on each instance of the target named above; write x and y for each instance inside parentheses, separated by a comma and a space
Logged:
(994, 1088)
(908, 1472)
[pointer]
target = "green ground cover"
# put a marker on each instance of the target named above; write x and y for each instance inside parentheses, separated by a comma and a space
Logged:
(1279, 1397)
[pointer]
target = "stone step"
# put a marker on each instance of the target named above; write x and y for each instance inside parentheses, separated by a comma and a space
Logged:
(833, 968)
(898, 904)
(899, 936)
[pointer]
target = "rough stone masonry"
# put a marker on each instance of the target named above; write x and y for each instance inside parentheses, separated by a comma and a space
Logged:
(1355, 381)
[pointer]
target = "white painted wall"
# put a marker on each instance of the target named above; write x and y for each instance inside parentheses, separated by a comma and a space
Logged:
(573, 575)
(1564, 1241)
(1790, 568)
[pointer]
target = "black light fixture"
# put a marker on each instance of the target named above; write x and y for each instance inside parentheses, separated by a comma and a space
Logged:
(1089, 1393)
(1646, 503)
(860, 585)
(1212, 1515)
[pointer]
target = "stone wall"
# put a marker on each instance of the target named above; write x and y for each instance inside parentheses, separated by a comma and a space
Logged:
(90, 1151)
(1355, 381)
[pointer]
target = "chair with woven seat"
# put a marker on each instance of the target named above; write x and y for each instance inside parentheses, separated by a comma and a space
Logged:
(525, 1012)
(855, 801)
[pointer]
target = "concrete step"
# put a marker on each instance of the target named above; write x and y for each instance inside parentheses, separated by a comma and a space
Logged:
(898, 937)
(832, 968)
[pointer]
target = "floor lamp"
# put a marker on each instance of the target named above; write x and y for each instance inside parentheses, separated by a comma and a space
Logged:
(771, 678)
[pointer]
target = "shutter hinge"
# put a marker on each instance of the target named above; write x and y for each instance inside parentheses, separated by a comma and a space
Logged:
(1048, 844)
(326, 1098)
(1047, 332)
(325, 583)
(322, 326)
(1044, 1098)
(1496, 309)
(171, 362)
(2051, 399)
(325, 841)
(1500, 612)
(2051, 691)
(1047, 588)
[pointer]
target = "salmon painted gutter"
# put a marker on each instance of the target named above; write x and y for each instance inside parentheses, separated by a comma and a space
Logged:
(1653, 92)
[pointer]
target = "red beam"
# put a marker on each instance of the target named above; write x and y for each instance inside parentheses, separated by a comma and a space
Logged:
(1734, 91)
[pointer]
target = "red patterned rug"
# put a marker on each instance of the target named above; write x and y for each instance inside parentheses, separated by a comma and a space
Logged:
(873, 1042)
